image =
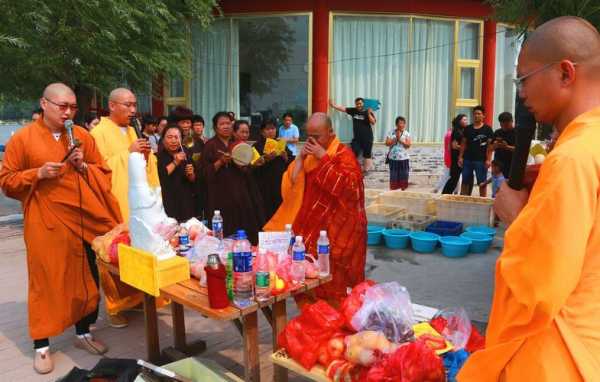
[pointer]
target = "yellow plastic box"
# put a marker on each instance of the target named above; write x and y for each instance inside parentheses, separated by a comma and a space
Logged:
(144, 271)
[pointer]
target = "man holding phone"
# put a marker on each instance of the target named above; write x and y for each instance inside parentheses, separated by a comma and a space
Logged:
(504, 142)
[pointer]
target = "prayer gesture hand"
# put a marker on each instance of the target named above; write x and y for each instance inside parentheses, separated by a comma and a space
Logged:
(49, 170)
(140, 145)
(313, 148)
(226, 158)
(179, 157)
(189, 172)
(76, 158)
(509, 203)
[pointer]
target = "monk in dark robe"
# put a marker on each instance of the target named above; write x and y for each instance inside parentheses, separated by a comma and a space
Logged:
(67, 202)
(269, 169)
(322, 189)
(231, 188)
(195, 152)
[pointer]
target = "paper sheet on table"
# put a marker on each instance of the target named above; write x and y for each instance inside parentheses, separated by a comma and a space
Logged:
(274, 241)
(423, 313)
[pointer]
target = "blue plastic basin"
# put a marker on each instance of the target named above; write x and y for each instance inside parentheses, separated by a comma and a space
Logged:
(396, 238)
(482, 229)
(424, 242)
(480, 242)
(445, 228)
(374, 234)
(455, 246)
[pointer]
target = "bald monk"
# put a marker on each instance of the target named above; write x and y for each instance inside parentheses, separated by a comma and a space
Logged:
(323, 190)
(66, 205)
(116, 140)
(545, 318)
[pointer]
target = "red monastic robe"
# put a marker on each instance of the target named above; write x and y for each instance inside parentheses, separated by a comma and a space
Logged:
(331, 199)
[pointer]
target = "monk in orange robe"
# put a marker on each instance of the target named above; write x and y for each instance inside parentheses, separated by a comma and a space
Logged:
(323, 190)
(545, 318)
(66, 204)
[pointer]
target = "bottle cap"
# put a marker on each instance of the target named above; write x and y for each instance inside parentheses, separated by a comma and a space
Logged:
(298, 239)
(217, 212)
(288, 227)
(241, 234)
(323, 233)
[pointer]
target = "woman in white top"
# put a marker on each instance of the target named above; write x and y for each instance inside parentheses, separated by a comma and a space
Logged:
(399, 142)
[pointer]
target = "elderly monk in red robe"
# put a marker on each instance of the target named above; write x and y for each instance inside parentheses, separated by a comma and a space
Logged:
(323, 190)
(545, 318)
(66, 204)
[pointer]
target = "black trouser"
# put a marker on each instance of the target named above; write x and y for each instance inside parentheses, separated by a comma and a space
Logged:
(454, 176)
(82, 326)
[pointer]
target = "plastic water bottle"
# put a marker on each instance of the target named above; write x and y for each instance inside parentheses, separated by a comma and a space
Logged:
(297, 271)
(263, 286)
(217, 225)
(243, 280)
(323, 251)
(288, 229)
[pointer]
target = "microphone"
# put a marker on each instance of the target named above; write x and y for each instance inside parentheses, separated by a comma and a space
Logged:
(73, 142)
(69, 128)
(524, 132)
(135, 123)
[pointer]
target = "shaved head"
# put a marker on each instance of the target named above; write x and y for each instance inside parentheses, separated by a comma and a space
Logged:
(564, 38)
(57, 89)
(321, 120)
(122, 105)
(559, 70)
(320, 129)
(119, 93)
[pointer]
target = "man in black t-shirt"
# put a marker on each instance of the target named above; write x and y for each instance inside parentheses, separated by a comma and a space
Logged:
(504, 142)
(476, 152)
(362, 122)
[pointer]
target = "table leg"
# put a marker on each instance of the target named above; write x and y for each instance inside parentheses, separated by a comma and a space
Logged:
(178, 326)
(151, 326)
(279, 320)
(251, 355)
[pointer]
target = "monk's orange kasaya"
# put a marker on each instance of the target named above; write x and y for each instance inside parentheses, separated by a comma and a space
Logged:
(59, 214)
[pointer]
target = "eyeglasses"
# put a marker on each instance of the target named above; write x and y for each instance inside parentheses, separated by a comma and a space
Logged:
(519, 81)
(127, 104)
(64, 106)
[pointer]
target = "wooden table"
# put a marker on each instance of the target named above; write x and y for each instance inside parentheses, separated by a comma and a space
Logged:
(190, 294)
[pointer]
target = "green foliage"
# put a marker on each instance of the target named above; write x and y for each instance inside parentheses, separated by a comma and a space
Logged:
(530, 13)
(94, 44)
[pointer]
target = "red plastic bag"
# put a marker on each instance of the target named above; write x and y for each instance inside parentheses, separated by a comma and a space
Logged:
(353, 302)
(113, 252)
(302, 337)
(476, 341)
(413, 362)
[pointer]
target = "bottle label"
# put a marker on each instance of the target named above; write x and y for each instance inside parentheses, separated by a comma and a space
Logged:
(323, 249)
(298, 256)
(262, 279)
(242, 262)
(184, 240)
(217, 226)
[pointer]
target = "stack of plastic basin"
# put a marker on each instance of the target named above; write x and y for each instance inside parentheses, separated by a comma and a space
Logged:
(396, 238)
(480, 241)
(455, 246)
(374, 234)
(482, 229)
(424, 242)
(445, 228)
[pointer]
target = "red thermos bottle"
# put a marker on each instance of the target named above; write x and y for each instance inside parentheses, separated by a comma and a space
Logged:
(215, 283)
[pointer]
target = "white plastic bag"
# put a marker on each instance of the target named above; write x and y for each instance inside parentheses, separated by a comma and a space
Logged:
(458, 326)
(386, 308)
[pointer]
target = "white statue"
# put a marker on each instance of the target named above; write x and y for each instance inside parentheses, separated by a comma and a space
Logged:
(146, 211)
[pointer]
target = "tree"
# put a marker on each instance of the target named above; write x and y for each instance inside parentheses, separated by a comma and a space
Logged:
(95, 44)
(530, 13)
(527, 14)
